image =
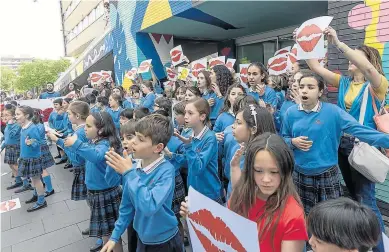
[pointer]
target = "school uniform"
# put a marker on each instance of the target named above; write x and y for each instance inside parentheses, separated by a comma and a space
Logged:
(56, 120)
(115, 114)
(11, 143)
(94, 109)
(67, 127)
(269, 96)
(148, 101)
(148, 196)
(215, 109)
(280, 114)
(224, 120)
(30, 161)
(127, 104)
(103, 198)
(48, 95)
(47, 159)
(316, 173)
(280, 99)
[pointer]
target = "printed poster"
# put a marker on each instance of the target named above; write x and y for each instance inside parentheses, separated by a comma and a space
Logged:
(213, 227)
(107, 75)
(183, 73)
(9, 205)
(282, 51)
(217, 61)
(230, 63)
(45, 105)
(310, 38)
(278, 64)
(177, 55)
(144, 67)
(198, 65)
(243, 72)
(171, 74)
(292, 57)
(132, 73)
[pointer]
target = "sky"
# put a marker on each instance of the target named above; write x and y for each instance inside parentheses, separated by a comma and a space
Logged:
(31, 28)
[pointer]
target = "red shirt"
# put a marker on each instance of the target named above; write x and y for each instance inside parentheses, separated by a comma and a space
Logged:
(290, 227)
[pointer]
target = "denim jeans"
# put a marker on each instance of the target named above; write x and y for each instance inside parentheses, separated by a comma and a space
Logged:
(360, 188)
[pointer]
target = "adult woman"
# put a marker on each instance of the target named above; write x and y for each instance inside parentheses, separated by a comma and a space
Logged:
(29, 95)
(365, 69)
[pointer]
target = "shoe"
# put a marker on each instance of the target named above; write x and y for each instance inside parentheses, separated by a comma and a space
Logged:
(58, 156)
(62, 161)
(32, 200)
(71, 170)
(16, 185)
(24, 189)
(85, 232)
(47, 194)
(68, 165)
(37, 207)
(96, 248)
(186, 241)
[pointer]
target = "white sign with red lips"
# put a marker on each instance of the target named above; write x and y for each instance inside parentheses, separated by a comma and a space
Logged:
(217, 61)
(213, 227)
(310, 38)
(278, 64)
(197, 66)
(282, 51)
(9, 205)
(243, 72)
(132, 73)
(183, 73)
(292, 57)
(171, 74)
(177, 55)
(144, 67)
(230, 63)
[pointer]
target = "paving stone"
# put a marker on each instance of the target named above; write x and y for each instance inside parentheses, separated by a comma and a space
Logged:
(50, 241)
(5, 222)
(20, 234)
(59, 221)
(82, 226)
(57, 197)
(73, 205)
(82, 245)
(7, 249)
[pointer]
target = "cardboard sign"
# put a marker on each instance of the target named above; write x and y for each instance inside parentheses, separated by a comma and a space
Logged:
(230, 63)
(183, 73)
(132, 73)
(177, 55)
(217, 61)
(107, 75)
(96, 78)
(144, 67)
(171, 74)
(9, 205)
(278, 64)
(243, 72)
(213, 227)
(310, 38)
(197, 66)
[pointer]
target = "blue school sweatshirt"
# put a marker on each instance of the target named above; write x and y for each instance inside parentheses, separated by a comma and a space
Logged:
(215, 109)
(115, 114)
(67, 125)
(281, 113)
(241, 166)
(280, 99)
(11, 135)
(56, 120)
(324, 128)
(147, 200)
(34, 150)
(225, 149)
(127, 104)
(201, 155)
(178, 159)
(95, 166)
(269, 97)
(42, 132)
(75, 159)
(94, 109)
(224, 120)
(175, 145)
(47, 95)
(148, 101)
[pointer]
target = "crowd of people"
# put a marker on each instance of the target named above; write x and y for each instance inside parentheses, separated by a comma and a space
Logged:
(270, 150)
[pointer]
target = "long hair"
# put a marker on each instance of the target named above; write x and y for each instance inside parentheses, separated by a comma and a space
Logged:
(245, 192)
(207, 78)
(242, 101)
(223, 78)
(262, 69)
(106, 130)
(118, 99)
(373, 56)
(202, 107)
(227, 104)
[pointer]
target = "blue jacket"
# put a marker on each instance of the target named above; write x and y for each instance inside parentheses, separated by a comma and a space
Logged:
(148, 101)
(175, 145)
(147, 200)
(224, 120)
(47, 95)
(115, 114)
(215, 109)
(75, 159)
(269, 97)
(33, 150)
(56, 121)
(11, 135)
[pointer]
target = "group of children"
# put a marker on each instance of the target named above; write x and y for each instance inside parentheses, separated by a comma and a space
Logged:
(268, 155)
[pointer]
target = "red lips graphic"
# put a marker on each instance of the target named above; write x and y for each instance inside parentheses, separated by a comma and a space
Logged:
(46, 114)
(11, 205)
(281, 52)
(3, 207)
(175, 55)
(198, 67)
(292, 55)
(309, 37)
(144, 66)
(170, 73)
(217, 228)
(229, 65)
(243, 75)
(278, 64)
(215, 63)
(96, 77)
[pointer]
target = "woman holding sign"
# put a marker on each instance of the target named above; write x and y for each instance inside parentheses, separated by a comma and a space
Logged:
(365, 69)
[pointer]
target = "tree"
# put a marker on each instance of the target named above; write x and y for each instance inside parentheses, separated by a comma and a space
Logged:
(37, 73)
(8, 79)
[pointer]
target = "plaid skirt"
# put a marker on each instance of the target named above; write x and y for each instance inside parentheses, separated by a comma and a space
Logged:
(79, 190)
(29, 167)
(104, 206)
(179, 194)
(46, 157)
(315, 189)
(12, 153)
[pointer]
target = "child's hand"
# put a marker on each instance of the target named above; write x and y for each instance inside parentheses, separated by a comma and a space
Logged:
(184, 209)
(183, 139)
(52, 136)
(294, 95)
(235, 161)
(118, 163)
(69, 141)
(219, 136)
(216, 89)
(260, 88)
(262, 103)
(108, 247)
(29, 141)
(211, 102)
(302, 143)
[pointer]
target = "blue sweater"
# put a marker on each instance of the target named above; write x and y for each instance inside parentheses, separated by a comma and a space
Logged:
(324, 128)
(148, 101)
(201, 156)
(42, 132)
(94, 109)
(147, 199)
(175, 145)
(47, 95)
(95, 167)
(56, 121)
(281, 114)
(115, 114)
(127, 104)
(33, 150)
(269, 97)
(224, 120)
(75, 159)
(11, 135)
(215, 109)
(280, 99)
(67, 125)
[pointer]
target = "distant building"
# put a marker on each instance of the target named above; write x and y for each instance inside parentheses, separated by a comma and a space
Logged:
(14, 62)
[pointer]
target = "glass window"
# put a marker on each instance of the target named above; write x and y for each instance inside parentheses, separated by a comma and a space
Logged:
(80, 27)
(92, 16)
(100, 10)
(85, 22)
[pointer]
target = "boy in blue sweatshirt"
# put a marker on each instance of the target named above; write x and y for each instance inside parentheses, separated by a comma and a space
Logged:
(147, 189)
(56, 122)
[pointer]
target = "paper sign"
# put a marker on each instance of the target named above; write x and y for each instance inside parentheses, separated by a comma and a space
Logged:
(132, 73)
(278, 64)
(144, 67)
(96, 78)
(9, 205)
(386, 242)
(183, 73)
(71, 95)
(212, 227)
(217, 61)
(171, 74)
(243, 72)
(310, 38)
(168, 84)
(292, 57)
(107, 75)
(197, 66)
(45, 105)
(282, 51)
(230, 63)
(50, 130)
(177, 55)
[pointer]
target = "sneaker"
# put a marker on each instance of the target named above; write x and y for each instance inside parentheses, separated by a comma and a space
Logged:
(67, 166)
(16, 185)
(85, 232)
(62, 161)
(58, 156)
(47, 194)
(37, 207)
(24, 189)
(96, 248)
(32, 200)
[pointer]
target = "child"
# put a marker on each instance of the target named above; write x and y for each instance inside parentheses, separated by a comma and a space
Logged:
(163, 103)
(101, 105)
(30, 165)
(200, 151)
(135, 95)
(313, 131)
(103, 198)
(55, 121)
(276, 83)
(179, 94)
(140, 112)
(115, 103)
(266, 195)
(226, 117)
(148, 95)
(343, 225)
(148, 189)
(192, 93)
(91, 100)
(126, 115)
(125, 103)
(257, 77)
(11, 143)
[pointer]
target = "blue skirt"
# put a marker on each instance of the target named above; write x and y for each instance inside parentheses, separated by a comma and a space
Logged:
(12, 153)
(29, 167)
(104, 206)
(79, 190)
(46, 157)
(179, 194)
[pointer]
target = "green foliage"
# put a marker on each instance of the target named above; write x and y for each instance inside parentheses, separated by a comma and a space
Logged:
(244, 60)
(37, 73)
(8, 78)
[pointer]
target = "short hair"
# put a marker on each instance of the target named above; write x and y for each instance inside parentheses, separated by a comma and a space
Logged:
(161, 112)
(103, 100)
(158, 127)
(81, 108)
(67, 99)
(141, 112)
(179, 108)
(135, 88)
(164, 104)
(58, 100)
(15, 103)
(128, 128)
(148, 84)
(91, 98)
(127, 113)
(10, 108)
(310, 74)
(344, 223)
(202, 106)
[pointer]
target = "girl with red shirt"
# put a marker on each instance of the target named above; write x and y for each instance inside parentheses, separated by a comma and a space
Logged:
(265, 194)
